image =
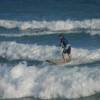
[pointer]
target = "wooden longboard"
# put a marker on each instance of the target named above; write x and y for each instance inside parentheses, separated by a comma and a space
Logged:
(51, 62)
(57, 62)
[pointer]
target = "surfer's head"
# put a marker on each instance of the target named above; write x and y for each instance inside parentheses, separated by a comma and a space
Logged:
(61, 35)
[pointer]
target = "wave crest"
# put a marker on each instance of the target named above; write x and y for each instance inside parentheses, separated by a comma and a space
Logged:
(60, 25)
(13, 50)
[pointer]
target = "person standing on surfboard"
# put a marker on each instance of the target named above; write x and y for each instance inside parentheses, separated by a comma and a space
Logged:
(66, 53)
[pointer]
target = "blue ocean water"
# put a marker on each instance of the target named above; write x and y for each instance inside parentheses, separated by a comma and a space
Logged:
(29, 32)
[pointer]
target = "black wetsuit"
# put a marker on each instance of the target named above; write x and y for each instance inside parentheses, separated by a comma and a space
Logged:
(65, 45)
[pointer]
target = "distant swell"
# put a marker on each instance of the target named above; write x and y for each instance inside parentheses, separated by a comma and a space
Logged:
(91, 25)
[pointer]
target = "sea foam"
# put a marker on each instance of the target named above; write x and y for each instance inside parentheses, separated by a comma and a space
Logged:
(13, 51)
(90, 25)
(49, 81)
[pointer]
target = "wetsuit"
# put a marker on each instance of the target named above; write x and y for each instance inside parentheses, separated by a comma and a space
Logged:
(65, 45)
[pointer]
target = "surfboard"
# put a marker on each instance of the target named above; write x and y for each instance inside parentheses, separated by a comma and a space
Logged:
(57, 62)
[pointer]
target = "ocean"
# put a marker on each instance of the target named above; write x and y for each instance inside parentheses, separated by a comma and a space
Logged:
(29, 32)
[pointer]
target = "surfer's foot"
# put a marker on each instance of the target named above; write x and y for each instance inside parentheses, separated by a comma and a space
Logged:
(67, 60)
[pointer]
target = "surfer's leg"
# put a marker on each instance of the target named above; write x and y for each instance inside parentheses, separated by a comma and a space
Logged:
(66, 57)
(69, 53)
(63, 57)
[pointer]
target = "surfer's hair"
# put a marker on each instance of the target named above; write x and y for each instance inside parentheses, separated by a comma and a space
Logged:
(61, 34)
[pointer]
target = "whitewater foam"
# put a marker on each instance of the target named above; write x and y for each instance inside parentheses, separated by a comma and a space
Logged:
(13, 50)
(60, 25)
(49, 82)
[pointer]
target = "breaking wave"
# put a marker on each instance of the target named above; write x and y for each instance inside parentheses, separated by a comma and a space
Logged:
(92, 26)
(48, 82)
(13, 50)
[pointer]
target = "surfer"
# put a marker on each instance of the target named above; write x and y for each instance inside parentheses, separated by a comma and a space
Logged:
(66, 52)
